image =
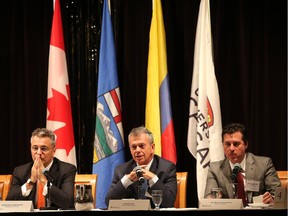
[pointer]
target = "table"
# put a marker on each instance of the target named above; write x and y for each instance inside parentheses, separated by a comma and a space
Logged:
(162, 212)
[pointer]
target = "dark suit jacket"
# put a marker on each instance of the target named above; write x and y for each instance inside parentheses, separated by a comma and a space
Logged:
(164, 169)
(258, 168)
(61, 191)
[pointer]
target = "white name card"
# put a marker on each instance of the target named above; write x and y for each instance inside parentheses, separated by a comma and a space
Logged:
(220, 204)
(16, 206)
(129, 204)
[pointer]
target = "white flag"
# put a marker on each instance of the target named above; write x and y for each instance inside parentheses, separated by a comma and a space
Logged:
(205, 127)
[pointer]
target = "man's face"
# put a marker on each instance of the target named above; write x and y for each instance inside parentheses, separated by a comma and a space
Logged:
(141, 150)
(42, 147)
(234, 147)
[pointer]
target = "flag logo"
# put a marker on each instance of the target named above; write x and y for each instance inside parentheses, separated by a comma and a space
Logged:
(63, 142)
(106, 141)
(210, 116)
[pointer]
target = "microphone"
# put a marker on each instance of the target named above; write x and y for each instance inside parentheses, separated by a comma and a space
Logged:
(235, 171)
(139, 174)
(48, 176)
(48, 201)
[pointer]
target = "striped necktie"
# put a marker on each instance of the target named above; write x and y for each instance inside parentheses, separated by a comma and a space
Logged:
(143, 189)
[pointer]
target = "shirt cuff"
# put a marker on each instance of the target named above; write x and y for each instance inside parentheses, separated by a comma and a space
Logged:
(126, 181)
(153, 181)
(45, 189)
(25, 191)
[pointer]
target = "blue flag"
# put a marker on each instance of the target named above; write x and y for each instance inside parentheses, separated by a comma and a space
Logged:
(108, 143)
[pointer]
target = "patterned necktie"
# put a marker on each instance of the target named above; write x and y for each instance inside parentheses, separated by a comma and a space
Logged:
(143, 188)
(41, 198)
(240, 188)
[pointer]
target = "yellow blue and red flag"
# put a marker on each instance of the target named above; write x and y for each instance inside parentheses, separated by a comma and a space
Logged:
(158, 117)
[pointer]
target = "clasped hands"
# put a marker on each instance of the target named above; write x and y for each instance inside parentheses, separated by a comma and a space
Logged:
(146, 174)
(37, 171)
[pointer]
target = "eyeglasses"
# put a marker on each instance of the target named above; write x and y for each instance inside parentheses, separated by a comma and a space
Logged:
(42, 148)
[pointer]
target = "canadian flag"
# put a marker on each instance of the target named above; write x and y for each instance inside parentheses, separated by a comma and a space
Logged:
(59, 114)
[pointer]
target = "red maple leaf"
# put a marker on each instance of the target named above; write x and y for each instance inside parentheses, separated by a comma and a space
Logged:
(60, 111)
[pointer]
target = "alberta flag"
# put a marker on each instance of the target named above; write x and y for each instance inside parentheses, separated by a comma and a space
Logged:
(59, 113)
(205, 126)
(158, 117)
(108, 144)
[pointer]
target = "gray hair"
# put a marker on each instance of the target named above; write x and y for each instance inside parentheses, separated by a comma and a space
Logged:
(44, 132)
(140, 130)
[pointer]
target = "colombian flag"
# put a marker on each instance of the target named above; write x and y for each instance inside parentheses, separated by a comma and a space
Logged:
(158, 105)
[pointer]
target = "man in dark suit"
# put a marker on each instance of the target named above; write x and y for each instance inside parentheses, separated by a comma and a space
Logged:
(27, 177)
(159, 172)
(259, 173)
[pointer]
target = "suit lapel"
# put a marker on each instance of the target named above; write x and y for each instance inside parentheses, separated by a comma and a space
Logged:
(250, 167)
(54, 171)
(227, 173)
(249, 172)
(154, 165)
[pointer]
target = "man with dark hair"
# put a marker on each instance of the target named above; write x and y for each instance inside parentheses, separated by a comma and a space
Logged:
(260, 176)
(159, 172)
(28, 178)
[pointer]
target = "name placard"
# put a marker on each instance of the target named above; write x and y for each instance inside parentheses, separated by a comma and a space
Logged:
(129, 204)
(280, 198)
(220, 204)
(16, 206)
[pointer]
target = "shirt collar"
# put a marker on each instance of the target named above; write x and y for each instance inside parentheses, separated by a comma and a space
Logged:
(242, 164)
(148, 165)
(48, 167)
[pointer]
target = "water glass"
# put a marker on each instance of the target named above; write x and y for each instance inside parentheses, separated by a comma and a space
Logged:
(217, 193)
(157, 198)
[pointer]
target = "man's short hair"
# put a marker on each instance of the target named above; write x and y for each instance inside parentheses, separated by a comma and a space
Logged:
(140, 130)
(233, 128)
(44, 132)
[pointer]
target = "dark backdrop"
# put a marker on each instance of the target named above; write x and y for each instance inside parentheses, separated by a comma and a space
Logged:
(250, 53)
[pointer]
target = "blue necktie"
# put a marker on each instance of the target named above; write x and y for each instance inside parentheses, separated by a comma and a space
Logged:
(143, 188)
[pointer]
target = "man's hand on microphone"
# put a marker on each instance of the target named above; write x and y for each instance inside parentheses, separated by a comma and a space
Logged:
(147, 174)
(132, 176)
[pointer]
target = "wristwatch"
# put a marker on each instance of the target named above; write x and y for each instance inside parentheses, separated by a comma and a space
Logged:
(30, 182)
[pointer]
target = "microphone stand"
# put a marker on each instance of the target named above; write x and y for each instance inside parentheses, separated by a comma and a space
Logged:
(235, 191)
(48, 202)
(235, 171)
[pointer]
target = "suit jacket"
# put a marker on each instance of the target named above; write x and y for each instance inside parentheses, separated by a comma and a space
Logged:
(258, 168)
(164, 169)
(61, 190)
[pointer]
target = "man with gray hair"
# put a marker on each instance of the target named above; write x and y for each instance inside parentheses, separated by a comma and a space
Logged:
(159, 173)
(53, 176)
